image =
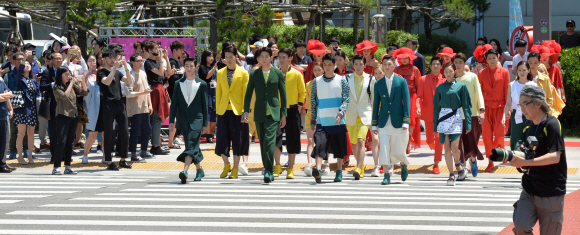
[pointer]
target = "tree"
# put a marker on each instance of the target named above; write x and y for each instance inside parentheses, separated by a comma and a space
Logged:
(255, 20)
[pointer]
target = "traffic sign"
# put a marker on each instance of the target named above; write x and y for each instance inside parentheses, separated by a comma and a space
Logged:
(544, 22)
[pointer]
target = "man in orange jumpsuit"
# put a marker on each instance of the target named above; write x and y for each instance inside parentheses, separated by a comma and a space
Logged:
(494, 81)
(412, 74)
(425, 94)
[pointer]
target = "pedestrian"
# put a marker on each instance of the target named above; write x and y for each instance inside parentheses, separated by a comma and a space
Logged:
(275, 63)
(549, 59)
(412, 75)
(330, 97)
(155, 72)
(232, 82)
(481, 41)
(317, 49)
(66, 88)
(317, 71)
(503, 57)
(494, 81)
(97, 44)
(521, 54)
(207, 72)
(25, 116)
(543, 81)
(113, 109)
(295, 92)
(469, 141)
(139, 109)
(419, 62)
(518, 120)
(570, 38)
(5, 96)
(425, 93)
(452, 97)
(447, 55)
(359, 111)
(29, 51)
(11, 79)
(368, 49)
(341, 63)
(48, 78)
(301, 58)
(92, 103)
(391, 122)
(188, 113)
(480, 60)
(268, 84)
(177, 52)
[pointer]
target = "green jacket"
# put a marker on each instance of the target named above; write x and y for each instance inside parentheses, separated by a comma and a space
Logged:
(271, 95)
(194, 114)
(396, 105)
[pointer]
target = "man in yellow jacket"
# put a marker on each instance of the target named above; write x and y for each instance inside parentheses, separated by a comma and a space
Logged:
(232, 82)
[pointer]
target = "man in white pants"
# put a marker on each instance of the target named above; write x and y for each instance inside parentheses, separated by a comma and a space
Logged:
(391, 118)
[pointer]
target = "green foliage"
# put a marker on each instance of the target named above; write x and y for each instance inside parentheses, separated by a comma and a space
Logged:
(400, 37)
(366, 4)
(246, 25)
(289, 33)
(571, 76)
(427, 63)
(104, 14)
(427, 46)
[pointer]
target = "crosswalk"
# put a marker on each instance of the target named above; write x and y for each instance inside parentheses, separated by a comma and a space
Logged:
(158, 204)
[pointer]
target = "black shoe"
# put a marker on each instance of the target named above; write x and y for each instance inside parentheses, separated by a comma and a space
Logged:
(137, 159)
(209, 138)
(5, 170)
(99, 148)
(124, 164)
(253, 139)
(158, 151)
(112, 167)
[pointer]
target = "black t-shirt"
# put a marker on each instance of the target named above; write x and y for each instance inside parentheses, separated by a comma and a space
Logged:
(153, 78)
(549, 180)
(171, 83)
(203, 71)
(569, 41)
(112, 92)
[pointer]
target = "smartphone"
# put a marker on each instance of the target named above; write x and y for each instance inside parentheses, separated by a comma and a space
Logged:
(33, 52)
(123, 57)
(74, 51)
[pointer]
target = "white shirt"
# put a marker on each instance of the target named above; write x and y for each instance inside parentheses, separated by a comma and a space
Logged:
(517, 58)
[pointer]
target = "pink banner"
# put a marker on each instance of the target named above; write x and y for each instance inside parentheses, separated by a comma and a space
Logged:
(165, 42)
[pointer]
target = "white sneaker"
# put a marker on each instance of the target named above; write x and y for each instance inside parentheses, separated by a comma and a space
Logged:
(325, 169)
(376, 172)
(99, 151)
(243, 168)
(70, 171)
(263, 171)
(85, 159)
(308, 170)
(56, 172)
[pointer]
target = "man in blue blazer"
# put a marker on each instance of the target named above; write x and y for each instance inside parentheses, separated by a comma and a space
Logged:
(391, 118)
(419, 62)
(189, 106)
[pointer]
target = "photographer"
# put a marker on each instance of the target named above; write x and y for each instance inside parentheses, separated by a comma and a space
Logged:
(545, 182)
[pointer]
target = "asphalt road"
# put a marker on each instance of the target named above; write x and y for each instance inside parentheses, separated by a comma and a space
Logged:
(154, 202)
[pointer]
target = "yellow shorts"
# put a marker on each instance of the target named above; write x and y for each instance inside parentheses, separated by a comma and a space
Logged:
(358, 131)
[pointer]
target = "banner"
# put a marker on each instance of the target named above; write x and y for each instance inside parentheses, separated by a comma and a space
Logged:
(165, 42)
(516, 18)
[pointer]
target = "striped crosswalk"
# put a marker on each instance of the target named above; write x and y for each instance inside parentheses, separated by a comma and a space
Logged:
(160, 205)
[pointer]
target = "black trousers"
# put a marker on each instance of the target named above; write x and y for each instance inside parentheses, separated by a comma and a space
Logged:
(66, 127)
(115, 111)
(52, 131)
(231, 128)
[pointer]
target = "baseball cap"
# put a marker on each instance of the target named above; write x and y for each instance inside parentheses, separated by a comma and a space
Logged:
(28, 45)
(257, 44)
(571, 22)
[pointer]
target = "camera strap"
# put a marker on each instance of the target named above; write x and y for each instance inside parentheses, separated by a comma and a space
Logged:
(536, 132)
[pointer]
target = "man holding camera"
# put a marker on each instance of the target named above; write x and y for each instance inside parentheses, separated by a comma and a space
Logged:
(544, 182)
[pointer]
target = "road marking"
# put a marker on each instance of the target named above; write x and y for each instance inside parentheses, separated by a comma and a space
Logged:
(51, 187)
(59, 192)
(59, 183)
(78, 179)
(238, 225)
(9, 201)
(264, 216)
(137, 232)
(306, 201)
(296, 208)
(24, 196)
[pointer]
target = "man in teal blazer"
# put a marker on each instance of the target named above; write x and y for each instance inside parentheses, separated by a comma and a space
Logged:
(189, 107)
(391, 114)
(269, 109)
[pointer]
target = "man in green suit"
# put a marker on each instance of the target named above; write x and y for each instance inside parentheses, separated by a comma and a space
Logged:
(270, 106)
(391, 118)
(189, 107)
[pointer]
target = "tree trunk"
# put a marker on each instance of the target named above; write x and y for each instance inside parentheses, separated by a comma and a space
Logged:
(213, 34)
(311, 22)
(82, 35)
(299, 15)
(63, 23)
(155, 14)
(427, 26)
(190, 21)
(355, 27)
(322, 28)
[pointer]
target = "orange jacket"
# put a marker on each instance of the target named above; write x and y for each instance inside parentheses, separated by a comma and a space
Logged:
(425, 93)
(494, 86)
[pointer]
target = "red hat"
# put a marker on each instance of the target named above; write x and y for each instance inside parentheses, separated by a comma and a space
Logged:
(535, 48)
(404, 52)
(447, 51)
(553, 45)
(546, 52)
(366, 44)
(480, 51)
(316, 47)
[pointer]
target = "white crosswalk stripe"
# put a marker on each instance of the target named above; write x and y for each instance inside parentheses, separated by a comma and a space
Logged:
(160, 205)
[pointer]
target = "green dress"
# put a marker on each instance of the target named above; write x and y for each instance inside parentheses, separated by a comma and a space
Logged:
(453, 95)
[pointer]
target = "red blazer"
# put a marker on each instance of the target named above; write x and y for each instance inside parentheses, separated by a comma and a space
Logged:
(494, 86)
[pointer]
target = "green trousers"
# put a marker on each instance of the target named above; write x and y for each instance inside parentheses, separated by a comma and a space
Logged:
(267, 135)
(517, 130)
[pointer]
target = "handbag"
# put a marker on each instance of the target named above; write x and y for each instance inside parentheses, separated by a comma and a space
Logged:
(450, 121)
(17, 99)
(44, 109)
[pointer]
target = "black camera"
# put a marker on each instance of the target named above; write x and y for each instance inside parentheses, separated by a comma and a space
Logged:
(504, 155)
(336, 49)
